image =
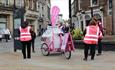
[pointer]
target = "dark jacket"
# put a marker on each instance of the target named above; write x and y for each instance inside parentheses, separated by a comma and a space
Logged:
(84, 32)
(100, 26)
(33, 34)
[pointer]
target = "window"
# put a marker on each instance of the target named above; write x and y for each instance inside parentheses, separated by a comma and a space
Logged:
(42, 8)
(35, 5)
(110, 4)
(27, 4)
(79, 4)
(3, 21)
(110, 7)
(30, 4)
(87, 17)
(19, 3)
(5, 2)
(0, 1)
(97, 15)
(94, 2)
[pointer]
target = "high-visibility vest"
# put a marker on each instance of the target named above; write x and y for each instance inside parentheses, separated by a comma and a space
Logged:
(92, 35)
(25, 34)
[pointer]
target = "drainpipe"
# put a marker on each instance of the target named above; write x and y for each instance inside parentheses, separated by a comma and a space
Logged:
(71, 25)
(113, 17)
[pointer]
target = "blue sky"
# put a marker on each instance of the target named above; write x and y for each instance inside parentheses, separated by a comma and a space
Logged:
(63, 5)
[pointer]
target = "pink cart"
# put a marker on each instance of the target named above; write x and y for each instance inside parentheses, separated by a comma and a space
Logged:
(53, 41)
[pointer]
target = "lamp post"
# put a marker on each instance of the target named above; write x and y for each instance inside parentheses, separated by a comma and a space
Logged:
(113, 17)
(74, 20)
(70, 17)
(91, 8)
(70, 10)
(91, 11)
(18, 18)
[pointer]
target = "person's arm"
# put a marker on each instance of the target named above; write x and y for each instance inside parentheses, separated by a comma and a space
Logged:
(17, 35)
(19, 31)
(100, 35)
(35, 34)
(84, 32)
(31, 31)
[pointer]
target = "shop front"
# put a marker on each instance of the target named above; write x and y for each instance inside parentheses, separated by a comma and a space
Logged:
(3, 21)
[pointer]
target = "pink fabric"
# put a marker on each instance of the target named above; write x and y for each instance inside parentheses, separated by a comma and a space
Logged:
(54, 13)
(67, 38)
(64, 42)
(73, 47)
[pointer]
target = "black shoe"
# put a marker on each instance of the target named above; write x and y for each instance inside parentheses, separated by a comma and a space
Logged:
(98, 54)
(85, 59)
(24, 58)
(29, 58)
(89, 54)
(33, 51)
(92, 58)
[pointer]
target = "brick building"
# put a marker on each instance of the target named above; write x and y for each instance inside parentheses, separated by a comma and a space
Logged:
(6, 14)
(37, 13)
(84, 9)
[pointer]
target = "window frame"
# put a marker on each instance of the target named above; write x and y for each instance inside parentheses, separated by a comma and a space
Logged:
(109, 10)
(92, 5)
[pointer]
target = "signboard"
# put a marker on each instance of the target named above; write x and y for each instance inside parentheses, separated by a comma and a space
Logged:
(2, 25)
(19, 3)
(17, 23)
(18, 19)
(17, 43)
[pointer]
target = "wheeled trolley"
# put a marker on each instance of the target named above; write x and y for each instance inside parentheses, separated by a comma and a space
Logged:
(57, 42)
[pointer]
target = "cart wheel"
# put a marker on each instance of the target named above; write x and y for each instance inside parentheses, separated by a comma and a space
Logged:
(67, 54)
(44, 49)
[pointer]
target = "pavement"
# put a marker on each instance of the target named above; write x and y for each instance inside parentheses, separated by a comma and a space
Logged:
(13, 61)
(10, 60)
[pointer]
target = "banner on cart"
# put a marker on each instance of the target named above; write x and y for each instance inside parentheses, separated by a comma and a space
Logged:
(66, 39)
(54, 14)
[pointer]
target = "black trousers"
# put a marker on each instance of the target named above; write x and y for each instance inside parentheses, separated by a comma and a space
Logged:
(33, 41)
(6, 37)
(99, 46)
(26, 45)
(92, 50)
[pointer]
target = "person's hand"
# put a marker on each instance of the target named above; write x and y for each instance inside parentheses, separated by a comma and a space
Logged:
(16, 38)
(104, 28)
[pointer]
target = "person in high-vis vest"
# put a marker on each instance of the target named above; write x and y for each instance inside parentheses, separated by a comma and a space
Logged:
(91, 35)
(99, 23)
(25, 38)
